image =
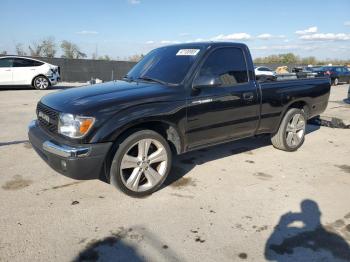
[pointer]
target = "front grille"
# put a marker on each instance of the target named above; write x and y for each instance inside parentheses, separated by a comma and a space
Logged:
(51, 113)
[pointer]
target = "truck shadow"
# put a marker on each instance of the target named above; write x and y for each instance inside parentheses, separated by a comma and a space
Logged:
(308, 242)
(183, 164)
(127, 244)
(109, 249)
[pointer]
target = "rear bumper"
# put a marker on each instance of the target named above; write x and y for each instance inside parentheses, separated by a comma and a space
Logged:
(54, 80)
(82, 162)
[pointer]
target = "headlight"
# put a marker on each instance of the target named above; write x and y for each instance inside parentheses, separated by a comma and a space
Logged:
(74, 126)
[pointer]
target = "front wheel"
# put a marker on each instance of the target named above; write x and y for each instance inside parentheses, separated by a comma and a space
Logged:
(291, 133)
(41, 83)
(141, 164)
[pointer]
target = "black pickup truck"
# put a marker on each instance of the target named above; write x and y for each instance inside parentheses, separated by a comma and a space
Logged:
(176, 99)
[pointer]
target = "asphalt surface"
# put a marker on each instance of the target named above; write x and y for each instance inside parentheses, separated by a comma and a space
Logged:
(242, 201)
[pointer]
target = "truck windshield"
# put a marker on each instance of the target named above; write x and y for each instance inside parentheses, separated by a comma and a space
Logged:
(168, 65)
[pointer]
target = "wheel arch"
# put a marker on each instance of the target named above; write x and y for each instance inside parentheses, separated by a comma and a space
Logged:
(300, 104)
(167, 130)
(32, 82)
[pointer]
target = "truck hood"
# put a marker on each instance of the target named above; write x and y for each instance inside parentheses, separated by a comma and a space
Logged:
(110, 97)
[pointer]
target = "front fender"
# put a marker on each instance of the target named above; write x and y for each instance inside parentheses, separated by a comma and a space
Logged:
(171, 113)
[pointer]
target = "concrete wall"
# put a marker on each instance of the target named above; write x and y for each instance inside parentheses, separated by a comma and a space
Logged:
(82, 70)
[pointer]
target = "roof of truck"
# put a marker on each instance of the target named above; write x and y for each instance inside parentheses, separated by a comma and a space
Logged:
(210, 43)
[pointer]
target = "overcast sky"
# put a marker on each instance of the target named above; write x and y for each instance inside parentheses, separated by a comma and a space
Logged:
(121, 28)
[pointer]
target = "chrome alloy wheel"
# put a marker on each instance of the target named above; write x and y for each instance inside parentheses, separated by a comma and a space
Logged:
(143, 165)
(41, 83)
(295, 130)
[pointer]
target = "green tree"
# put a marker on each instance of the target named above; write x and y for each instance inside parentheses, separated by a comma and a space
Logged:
(289, 58)
(105, 57)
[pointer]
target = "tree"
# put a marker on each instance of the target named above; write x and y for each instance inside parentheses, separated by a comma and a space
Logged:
(45, 48)
(135, 58)
(36, 49)
(49, 47)
(71, 50)
(105, 57)
(289, 58)
(310, 60)
(20, 50)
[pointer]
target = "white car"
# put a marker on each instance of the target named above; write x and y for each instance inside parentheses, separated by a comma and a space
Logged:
(264, 71)
(23, 71)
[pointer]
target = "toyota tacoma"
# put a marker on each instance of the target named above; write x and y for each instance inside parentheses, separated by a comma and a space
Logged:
(178, 98)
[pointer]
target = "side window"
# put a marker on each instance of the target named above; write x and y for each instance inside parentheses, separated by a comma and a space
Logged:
(227, 64)
(6, 62)
(265, 69)
(338, 69)
(21, 62)
(37, 63)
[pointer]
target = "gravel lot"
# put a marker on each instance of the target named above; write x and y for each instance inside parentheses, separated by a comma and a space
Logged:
(242, 201)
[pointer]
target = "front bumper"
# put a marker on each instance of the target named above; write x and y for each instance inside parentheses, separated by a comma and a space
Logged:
(83, 161)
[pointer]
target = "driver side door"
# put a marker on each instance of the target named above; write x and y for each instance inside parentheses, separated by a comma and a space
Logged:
(220, 113)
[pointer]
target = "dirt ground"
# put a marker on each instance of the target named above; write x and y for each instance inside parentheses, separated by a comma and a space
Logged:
(242, 201)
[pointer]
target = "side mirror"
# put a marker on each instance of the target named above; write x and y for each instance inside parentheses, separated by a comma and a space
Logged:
(206, 81)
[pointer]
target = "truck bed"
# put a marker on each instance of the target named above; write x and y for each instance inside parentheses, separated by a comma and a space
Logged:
(275, 97)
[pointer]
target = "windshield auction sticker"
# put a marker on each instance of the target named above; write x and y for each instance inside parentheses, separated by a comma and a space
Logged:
(191, 52)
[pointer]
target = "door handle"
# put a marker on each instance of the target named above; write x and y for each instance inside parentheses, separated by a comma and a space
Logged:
(248, 96)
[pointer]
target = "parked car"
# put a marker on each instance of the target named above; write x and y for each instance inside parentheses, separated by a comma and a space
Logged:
(303, 72)
(264, 73)
(176, 99)
(336, 73)
(23, 71)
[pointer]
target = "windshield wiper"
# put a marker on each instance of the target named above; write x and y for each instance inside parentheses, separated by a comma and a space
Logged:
(151, 79)
(128, 78)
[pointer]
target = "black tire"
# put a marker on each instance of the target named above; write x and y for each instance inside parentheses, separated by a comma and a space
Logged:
(116, 175)
(41, 83)
(279, 139)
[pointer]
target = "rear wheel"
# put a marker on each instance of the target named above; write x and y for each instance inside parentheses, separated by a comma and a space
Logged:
(141, 164)
(41, 83)
(291, 133)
